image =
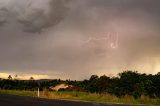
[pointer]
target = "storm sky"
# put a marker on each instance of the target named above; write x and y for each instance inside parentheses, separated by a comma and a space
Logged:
(73, 39)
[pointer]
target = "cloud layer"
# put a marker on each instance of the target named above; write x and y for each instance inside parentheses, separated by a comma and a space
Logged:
(74, 39)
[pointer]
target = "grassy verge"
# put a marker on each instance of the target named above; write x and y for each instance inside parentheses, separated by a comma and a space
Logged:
(84, 96)
(17, 92)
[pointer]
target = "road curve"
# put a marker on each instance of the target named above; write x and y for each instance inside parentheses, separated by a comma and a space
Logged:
(12, 100)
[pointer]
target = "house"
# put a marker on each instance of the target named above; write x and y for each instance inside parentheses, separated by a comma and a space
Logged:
(58, 87)
(64, 87)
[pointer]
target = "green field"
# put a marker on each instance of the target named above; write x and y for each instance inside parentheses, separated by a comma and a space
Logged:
(84, 96)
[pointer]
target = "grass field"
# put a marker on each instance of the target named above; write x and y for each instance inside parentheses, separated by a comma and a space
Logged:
(84, 96)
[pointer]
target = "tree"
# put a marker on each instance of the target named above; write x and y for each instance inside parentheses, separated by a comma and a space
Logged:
(158, 73)
(16, 77)
(31, 78)
(93, 78)
(10, 77)
(92, 84)
(103, 84)
(128, 82)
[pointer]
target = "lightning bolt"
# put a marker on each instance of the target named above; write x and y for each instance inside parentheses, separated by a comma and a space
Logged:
(115, 45)
(108, 39)
(96, 39)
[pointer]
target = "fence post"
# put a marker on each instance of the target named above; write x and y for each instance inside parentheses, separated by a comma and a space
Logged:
(38, 92)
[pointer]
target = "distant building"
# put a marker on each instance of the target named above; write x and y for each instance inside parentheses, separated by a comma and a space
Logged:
(60, 86)
(64, 87)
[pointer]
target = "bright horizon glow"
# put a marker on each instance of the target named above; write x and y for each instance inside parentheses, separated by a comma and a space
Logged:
(23, 76)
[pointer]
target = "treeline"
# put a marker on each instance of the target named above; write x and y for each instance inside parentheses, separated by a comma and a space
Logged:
(27, 84)
(126, 83)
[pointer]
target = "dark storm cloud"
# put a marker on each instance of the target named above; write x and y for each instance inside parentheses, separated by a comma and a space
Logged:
(2, 22)
(78, 37)
(35, 19)
(3, 14)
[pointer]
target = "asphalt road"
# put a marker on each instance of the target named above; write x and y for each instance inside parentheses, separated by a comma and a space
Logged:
(12, 100)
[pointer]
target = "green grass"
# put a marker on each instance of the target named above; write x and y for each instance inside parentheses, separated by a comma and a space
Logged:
(21, 93)
(84, 96)
(105, 98)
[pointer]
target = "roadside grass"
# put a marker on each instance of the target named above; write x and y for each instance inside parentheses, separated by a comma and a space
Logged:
(84, 96)
(18, 92)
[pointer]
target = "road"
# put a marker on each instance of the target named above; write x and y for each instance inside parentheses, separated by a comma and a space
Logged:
(12, 100)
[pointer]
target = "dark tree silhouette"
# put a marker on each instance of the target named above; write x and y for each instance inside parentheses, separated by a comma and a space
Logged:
(31, 78)
(10, 77)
